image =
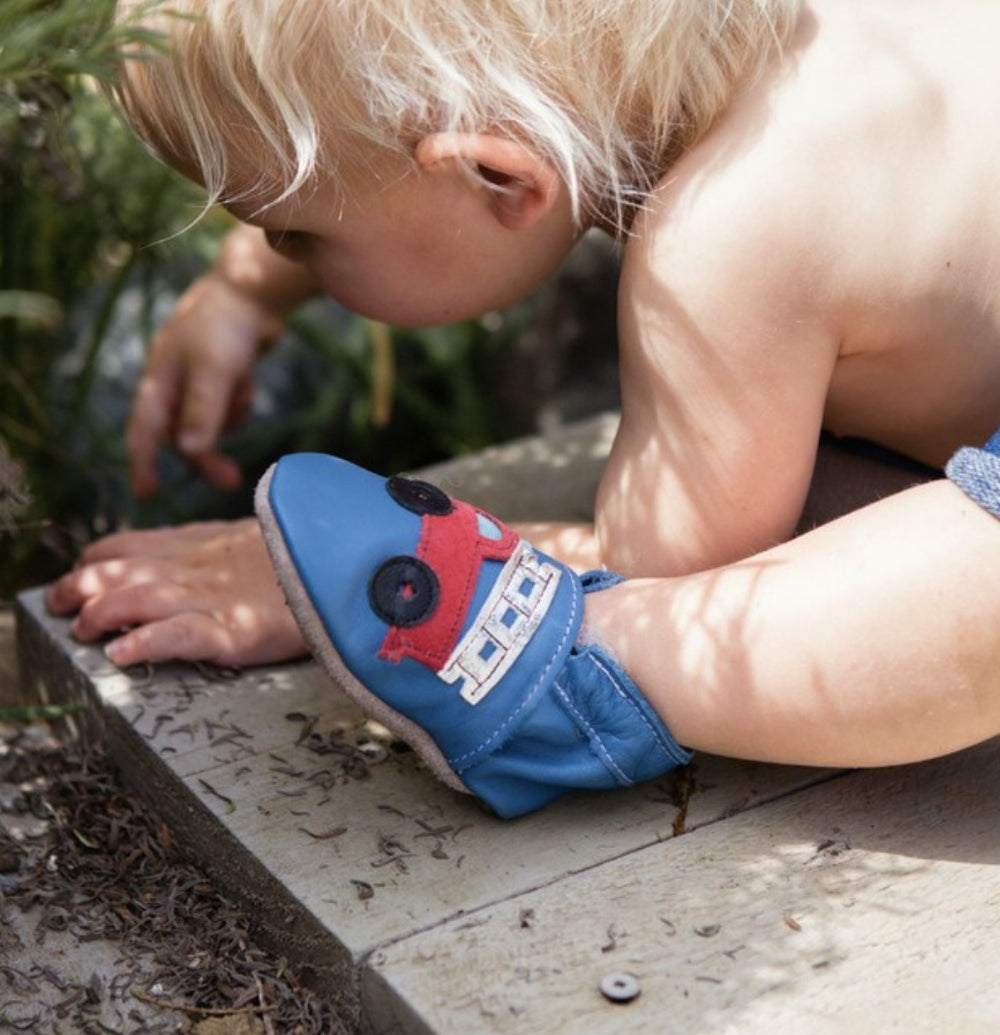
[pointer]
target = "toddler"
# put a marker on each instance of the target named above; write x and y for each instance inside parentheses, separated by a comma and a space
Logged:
(805, 196)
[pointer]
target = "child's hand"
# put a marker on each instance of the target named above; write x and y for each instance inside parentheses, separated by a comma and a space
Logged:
(198, 592)
(198, 375)
(198, 382)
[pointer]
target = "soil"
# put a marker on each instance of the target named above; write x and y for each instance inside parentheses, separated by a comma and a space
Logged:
(106, 929)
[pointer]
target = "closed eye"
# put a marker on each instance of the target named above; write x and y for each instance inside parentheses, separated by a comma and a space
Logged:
(289, 243)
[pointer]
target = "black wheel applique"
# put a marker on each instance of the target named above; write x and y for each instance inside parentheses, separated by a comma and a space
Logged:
(403, 591)
(418, 496)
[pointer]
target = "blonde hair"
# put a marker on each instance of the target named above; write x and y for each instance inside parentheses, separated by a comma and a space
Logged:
(609, 91)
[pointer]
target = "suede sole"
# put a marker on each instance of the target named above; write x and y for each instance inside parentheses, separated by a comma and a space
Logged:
(325, 652)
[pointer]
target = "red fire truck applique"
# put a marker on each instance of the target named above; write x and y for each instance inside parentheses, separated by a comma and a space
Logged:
(450, 555)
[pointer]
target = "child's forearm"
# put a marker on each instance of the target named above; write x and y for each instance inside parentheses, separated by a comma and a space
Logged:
(249, 265)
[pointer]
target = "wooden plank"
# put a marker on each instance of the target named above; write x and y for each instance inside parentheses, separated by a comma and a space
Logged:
(378, 858)
(359, 853)
(799, 900)
(868, 904)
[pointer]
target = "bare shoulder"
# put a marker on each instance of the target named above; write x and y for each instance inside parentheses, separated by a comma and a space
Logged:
(727, 247)
(838, 182)
(737, 216)
(742, 225)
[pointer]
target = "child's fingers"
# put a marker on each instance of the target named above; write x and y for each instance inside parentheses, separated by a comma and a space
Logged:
(215, 398)
(189, 636)
(211, 390)
(62, 596)
(207, 636)
(131, 605)
(129, 560)
(196, 592)
(72, 591)
(117, 546)
(219, 470)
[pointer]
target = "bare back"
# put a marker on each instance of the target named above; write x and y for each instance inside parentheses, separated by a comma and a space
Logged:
(828, 255)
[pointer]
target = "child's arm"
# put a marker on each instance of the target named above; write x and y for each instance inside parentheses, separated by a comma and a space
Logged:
(843, 480)
(728, 350)
(197, 379)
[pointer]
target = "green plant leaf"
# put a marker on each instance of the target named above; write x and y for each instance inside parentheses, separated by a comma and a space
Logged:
(32, 307)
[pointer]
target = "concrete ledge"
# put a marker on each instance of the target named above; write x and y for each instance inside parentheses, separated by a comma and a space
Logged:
(795, 897)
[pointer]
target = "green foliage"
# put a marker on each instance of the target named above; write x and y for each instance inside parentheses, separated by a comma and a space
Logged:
(49, 44)
(445, 391)
(80, 200)
(24, 713)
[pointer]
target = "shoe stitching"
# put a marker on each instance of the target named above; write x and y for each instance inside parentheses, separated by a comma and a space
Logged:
(529, 697)
(612, 676)
(594, 737)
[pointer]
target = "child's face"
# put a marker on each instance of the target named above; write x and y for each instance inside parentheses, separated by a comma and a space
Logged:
(420, 248)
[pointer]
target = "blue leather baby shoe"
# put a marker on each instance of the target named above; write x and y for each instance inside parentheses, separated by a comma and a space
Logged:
(457, 635)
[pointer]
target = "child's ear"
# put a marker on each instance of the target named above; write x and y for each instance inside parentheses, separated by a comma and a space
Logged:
(521, 187)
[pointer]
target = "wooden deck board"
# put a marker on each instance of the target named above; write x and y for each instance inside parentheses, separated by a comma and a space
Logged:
(868, 904)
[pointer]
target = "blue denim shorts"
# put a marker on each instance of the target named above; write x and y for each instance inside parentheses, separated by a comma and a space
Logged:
(977, 473)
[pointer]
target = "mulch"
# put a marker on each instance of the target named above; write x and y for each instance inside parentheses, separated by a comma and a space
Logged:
(82, 860)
